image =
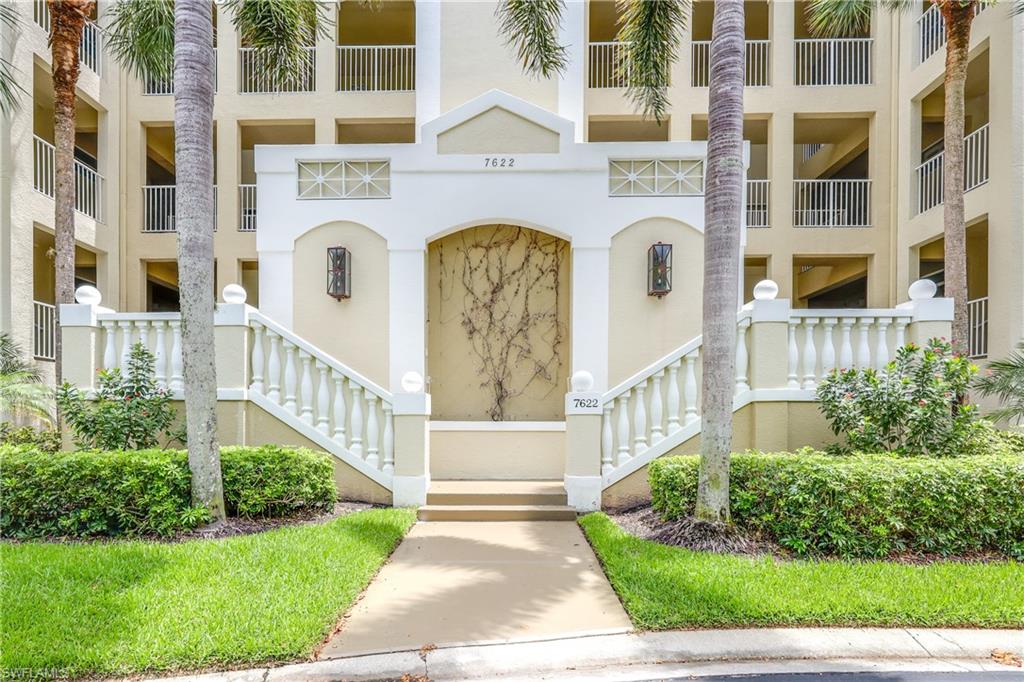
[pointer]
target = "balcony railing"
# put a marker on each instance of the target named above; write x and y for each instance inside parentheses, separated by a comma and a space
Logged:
(931, 31)
(88, 183)
(758, 198)
(158, 208)
(977, 327)
(247, 208)
(757, 63)
(157, 86)
(376, 68)
(930, 175)
(833, 61)
(90, 47)
(44, 340)
(257, 76)
(832, 203)
(604, 65)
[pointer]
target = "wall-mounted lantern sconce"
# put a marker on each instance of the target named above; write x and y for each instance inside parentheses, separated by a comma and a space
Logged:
(659, 269)
(339, 272)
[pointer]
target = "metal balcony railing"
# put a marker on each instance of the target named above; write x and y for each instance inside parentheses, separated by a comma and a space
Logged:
(757, 63)
(832, 203)
(833, 61)
(929, 175)
(88, 183)
(376, 68)
(44, 338)
(758, 203)
(158, 208)
(247, 208)
(90, 47)
(256, 76)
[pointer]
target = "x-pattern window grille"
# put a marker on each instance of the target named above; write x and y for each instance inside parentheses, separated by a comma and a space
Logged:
(655, 177)
(344, 179)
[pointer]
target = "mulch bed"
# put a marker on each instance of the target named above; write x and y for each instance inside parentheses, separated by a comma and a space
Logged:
(236, 525)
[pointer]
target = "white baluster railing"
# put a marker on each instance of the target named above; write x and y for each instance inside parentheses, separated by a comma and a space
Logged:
(931, 31)
(929, 175)
(758, 203)
(257, 77)
(757, 63)
(158, 208)
(833, 61)
(88, 183)
(825, 339)
(44, 339)
(605, 58)
(376, 68)
(346, 410)
(832, 203)
(247, 208)
(977, 327)
(160, 333)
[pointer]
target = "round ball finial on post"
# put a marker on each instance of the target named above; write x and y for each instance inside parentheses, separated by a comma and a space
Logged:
(88, 295)
(922, 290)
(766, 290)
(582, 381)
(412, 382)
(234, 293)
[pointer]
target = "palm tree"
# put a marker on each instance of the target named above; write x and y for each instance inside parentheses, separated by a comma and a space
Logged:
(158, 38)
(650, 34)
(1004, 380)
(67, 21)
(844, 17)
(22, 393)
(9, 88)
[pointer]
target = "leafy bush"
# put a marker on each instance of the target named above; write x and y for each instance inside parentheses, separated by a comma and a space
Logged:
(130, 412)
(912, 407)
(47, 440)
(863, 505)
(148, 492)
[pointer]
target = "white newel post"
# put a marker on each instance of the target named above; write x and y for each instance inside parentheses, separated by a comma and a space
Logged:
(772, 337)
(232, 344)
(930, 317)
(588, 443)
(82, 336)
(411, 442)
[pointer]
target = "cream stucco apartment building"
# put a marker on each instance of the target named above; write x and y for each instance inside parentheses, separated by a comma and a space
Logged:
(414, 142)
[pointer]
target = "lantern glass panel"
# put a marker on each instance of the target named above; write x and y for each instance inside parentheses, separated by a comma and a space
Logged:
(659, 269)
(339, 272)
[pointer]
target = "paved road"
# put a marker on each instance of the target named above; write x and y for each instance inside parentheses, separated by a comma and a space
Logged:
(866, 677)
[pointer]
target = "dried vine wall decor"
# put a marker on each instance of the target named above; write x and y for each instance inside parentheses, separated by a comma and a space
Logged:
(509, 279)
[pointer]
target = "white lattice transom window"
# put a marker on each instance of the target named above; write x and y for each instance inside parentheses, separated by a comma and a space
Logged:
(344, 179)
(655, 177)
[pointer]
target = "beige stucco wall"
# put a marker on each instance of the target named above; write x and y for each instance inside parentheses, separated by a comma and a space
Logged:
(354, 330)
(497, 130)
(533, 269)
(644, 328)
(475, 454)
(761, 426)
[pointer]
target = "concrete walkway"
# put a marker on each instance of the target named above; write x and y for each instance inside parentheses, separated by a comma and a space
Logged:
(460, 582)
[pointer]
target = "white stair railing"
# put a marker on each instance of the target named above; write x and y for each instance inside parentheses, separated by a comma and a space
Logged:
(758, 203)
(376, 68)
(158, 208)
(833, 61)
(300, 383)
(977, 327)
(929, 175)
(247, 208)
(88, 183)
(832, 203)
(44, 340)
(257, 76)
(757, 63)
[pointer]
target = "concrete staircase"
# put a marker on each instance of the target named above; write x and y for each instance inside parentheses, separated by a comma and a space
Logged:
(496, 501)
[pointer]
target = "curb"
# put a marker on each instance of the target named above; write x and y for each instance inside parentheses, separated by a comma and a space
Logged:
(654, 654)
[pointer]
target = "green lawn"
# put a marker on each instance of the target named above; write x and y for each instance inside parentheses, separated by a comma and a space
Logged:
(668, 587)
(144, 606)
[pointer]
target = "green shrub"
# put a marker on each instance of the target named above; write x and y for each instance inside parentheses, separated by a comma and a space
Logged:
(148, 492)
(47, 440)
(911, 407)
(863, 505)
(130, 412)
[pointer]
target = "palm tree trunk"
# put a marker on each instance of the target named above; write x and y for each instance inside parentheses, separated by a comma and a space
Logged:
(723, 201)
(958, 19)
(194, 214)
(67, 19)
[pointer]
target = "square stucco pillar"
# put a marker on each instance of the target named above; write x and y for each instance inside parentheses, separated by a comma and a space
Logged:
(407, 314)
(930, 317)
(571, 82)
(590, 292)
(79, 338)
(412, 449)
(231, 337)
(583, 416)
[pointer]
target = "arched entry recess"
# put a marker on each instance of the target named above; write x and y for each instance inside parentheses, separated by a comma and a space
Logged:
(498, 324)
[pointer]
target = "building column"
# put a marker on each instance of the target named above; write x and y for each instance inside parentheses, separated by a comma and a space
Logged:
(782, 29)
(572, 84)
(590, 293)
(407, 314)
(428, 62)
(780, 172)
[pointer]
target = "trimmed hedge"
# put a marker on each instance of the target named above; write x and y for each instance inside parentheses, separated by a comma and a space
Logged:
(148, 492)
(863, 505)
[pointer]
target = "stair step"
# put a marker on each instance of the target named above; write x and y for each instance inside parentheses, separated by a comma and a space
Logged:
(496, 512)
(497, 493)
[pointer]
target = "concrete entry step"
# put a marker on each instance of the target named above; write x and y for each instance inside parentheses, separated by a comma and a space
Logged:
(495, 512)
(496, 493)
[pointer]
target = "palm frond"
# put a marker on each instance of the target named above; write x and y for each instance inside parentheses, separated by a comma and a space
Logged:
(13, 360)
(140, 36)
(531, 28)
(1004, 380)
(21, 390)
(838, 18)
(1017, 7)
(10, 90)
(279, 31)
(650, 33)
